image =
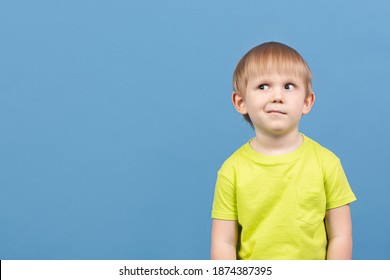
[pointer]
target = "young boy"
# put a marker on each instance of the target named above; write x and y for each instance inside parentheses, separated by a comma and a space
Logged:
(281, 195)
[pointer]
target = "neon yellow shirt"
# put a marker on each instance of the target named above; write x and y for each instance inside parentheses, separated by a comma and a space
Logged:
(280, 201)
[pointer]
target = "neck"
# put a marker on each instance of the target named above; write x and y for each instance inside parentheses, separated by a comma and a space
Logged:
(276, 144)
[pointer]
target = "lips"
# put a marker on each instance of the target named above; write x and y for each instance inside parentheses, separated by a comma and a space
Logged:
(275, 111)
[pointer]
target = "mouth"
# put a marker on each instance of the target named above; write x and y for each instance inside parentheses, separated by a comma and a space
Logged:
(278, 112)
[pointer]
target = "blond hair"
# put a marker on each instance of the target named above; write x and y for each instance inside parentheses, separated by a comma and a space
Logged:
(266, 58)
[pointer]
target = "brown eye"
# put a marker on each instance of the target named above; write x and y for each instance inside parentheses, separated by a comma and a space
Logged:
(289, 86)
(263, 87)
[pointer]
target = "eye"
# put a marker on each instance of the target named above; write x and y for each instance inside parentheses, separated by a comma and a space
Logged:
(289, 86)
(264, 87)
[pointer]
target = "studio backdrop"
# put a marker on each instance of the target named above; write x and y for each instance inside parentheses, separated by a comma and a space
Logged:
(116, 115)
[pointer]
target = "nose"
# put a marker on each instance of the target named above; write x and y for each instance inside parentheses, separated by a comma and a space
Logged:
(276, 96)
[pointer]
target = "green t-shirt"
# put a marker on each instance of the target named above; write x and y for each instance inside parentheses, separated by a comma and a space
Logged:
(280, 201)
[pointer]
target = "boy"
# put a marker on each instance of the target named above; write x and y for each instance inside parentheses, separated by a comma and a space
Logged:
(281, 195)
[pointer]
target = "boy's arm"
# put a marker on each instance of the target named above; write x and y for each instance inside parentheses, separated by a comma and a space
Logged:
(339, 231)
(224, 240)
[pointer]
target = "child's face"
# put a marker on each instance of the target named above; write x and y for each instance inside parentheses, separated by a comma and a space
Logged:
(275, 103)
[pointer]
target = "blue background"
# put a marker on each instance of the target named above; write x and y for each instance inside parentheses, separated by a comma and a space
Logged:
(116, 115)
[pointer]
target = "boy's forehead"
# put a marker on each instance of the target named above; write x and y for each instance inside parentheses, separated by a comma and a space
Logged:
(267, 61)
(275, 64)
(276, 76)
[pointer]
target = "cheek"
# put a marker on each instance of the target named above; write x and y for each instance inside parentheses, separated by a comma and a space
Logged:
(258, 101)
(255, 108)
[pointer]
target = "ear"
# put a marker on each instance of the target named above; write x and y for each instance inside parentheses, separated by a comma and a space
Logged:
(239, 103)
(308, 103)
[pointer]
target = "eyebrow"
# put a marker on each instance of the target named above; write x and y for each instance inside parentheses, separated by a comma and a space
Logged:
(265, 80)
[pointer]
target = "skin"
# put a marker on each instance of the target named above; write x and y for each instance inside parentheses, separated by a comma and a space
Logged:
(339, 230)
(276, 103)
(224, 240)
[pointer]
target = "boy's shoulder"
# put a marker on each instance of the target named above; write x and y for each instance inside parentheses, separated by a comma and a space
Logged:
(311, 148)
(235, 158)
(321, 151)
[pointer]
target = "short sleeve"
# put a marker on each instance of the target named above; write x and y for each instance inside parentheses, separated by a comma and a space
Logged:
(225, 202)
(337, 188)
